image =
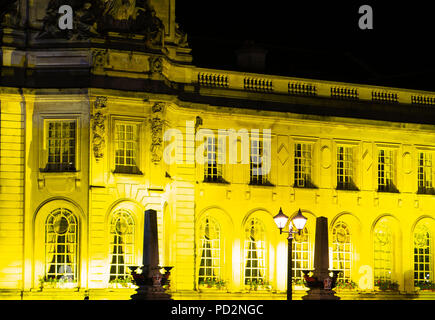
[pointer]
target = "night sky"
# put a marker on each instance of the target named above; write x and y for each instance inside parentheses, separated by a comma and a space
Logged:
(318, 40)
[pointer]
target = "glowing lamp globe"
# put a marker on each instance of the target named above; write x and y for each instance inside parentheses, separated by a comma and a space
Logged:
(299, 221)
(280, 219)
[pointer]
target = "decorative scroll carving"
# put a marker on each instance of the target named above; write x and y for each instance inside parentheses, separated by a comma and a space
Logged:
(99, 127)
(100, 17)
(10, 13)
(157, 132)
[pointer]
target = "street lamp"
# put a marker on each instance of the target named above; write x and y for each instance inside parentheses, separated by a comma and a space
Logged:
(299, 221)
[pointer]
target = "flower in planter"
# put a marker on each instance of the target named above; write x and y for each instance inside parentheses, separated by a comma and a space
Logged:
(425, 285)
(212, 283)
(346, 284)
(384, 285)
(122, 281)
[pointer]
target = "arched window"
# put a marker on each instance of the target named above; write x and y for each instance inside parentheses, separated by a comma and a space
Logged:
(61, 244)
(301, 255)
(342, 251)
(423, 271)
(210, 252)
(121, 244)
(383, 251)
(255, 252)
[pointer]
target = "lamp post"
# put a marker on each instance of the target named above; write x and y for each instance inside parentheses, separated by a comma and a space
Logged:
(299, 221)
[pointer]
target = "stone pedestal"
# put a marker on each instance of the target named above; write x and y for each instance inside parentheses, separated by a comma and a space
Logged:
(320, 294)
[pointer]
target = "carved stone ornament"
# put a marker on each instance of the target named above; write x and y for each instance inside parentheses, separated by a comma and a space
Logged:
(9, 13)
(99, 127)
(156, 64)
(99, 58)
(157, 132)
(99, 17)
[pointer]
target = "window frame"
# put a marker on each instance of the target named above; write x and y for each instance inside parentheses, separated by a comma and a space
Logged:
(394, 184)
(314, 160)
(133, 244)
(44, 120)
(38, 245)
(140, 156)
(384, 269)
(220, 250)
(430, 263)
(76, 244)
(355, 147)
(296, 244)
(337, 248)
(265, 179)
(431, 189)
(220, 167)
(265, 268)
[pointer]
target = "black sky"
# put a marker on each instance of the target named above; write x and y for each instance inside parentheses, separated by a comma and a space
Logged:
(318, 39)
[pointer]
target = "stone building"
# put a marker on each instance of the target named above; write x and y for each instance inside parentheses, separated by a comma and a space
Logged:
(109, 119)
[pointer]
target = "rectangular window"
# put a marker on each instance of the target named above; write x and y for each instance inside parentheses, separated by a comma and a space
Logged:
(345, 168)
(258, 164)
(425, 173)
(303, 165)
(212, 169)
(126, 148)
(61, 142)
(386, 167)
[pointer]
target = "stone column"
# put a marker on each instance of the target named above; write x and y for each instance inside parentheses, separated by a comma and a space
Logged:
(321, 249)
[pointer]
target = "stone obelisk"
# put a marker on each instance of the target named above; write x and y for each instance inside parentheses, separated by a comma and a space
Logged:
(150, 288)
(321, 265)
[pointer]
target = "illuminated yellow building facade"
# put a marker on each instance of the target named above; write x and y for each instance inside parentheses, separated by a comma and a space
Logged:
(92, 135)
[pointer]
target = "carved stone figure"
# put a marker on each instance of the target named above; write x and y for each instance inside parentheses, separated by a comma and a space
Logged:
(99, 128)
(99, 17)
(180, 37)
(9, 13)
(157, 132)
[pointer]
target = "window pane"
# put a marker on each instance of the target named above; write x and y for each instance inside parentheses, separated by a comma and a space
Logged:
(301, 255)
(342, 251)
(121, 245)
(303, 165)
(258, 163)
(383, 251)
(209, 252)
(386, 170)
(422, 254)
(61, 142)
(126, 146)
(345, 167)
(255, 255)
(61, 246)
